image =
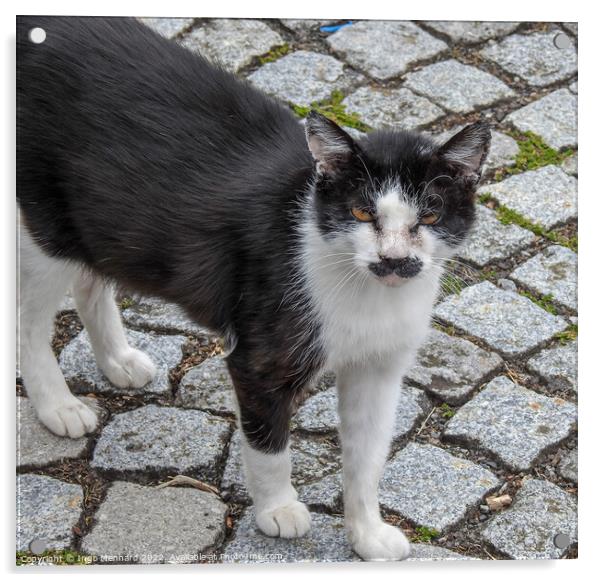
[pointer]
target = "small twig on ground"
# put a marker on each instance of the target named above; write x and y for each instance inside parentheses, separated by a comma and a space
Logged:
(492, 557)
(425, 421)
(512, 374)
(184, 480)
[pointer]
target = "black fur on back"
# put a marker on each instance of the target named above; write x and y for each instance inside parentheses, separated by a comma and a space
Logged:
(170, 176)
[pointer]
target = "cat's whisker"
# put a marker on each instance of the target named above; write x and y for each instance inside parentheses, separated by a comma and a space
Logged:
(451, 260)
(427, 184)
(453, 263)
(336, 290)
(337, 254)
(457, 277)
(342, 261)
(360, 284)
(435, 195)
(361, 159)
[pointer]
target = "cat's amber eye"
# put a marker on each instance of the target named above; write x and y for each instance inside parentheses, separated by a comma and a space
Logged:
(362, 215)
(431, 218)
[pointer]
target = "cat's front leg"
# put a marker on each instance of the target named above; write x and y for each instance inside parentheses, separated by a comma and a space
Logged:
(368, 396)
(264, 415)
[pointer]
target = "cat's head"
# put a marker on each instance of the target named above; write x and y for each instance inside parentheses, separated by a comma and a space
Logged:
(395, 203)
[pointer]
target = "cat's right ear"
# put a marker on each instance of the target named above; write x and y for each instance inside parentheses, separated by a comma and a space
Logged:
(331, 147)
(464, 154)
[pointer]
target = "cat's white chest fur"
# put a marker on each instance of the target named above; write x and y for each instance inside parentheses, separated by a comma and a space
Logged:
(367, 322)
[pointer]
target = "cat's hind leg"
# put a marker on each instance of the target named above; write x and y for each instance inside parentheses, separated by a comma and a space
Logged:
(123, 365)
(43, 281)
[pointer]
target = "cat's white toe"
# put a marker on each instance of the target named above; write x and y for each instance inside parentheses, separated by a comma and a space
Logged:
(70, 418)
(132, 369)
(380, 542)
(288, 521)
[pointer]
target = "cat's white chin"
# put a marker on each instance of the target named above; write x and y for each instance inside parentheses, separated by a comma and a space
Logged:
(391, 280)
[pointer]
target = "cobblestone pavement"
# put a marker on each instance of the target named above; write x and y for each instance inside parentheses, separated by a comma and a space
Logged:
(484, 459)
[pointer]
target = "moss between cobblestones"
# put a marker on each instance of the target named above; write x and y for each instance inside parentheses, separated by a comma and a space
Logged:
(276, 53)
(334, 109)
(508, 216)
(568, 335)
(448, 329)
(425, 534)
(571, 242)
(485, 198)
(489, 274)
(545, 301)
(533, 153)
(446, 410)
(126, 302)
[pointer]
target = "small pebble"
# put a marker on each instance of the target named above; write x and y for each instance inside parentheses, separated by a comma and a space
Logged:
(507, 284)
(497, 503)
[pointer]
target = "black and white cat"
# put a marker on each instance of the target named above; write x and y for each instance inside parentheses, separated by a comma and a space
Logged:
(143, 165)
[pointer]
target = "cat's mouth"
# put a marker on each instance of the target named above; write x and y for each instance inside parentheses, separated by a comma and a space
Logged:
(395, 272)
(391, 280)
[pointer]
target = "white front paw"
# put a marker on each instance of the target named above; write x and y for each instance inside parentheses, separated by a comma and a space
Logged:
(287, 521)
(70, 418)
(378, 542)
(132, 369)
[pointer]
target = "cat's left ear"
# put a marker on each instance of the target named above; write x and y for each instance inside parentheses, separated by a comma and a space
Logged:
(464, 154)
(331, 147)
